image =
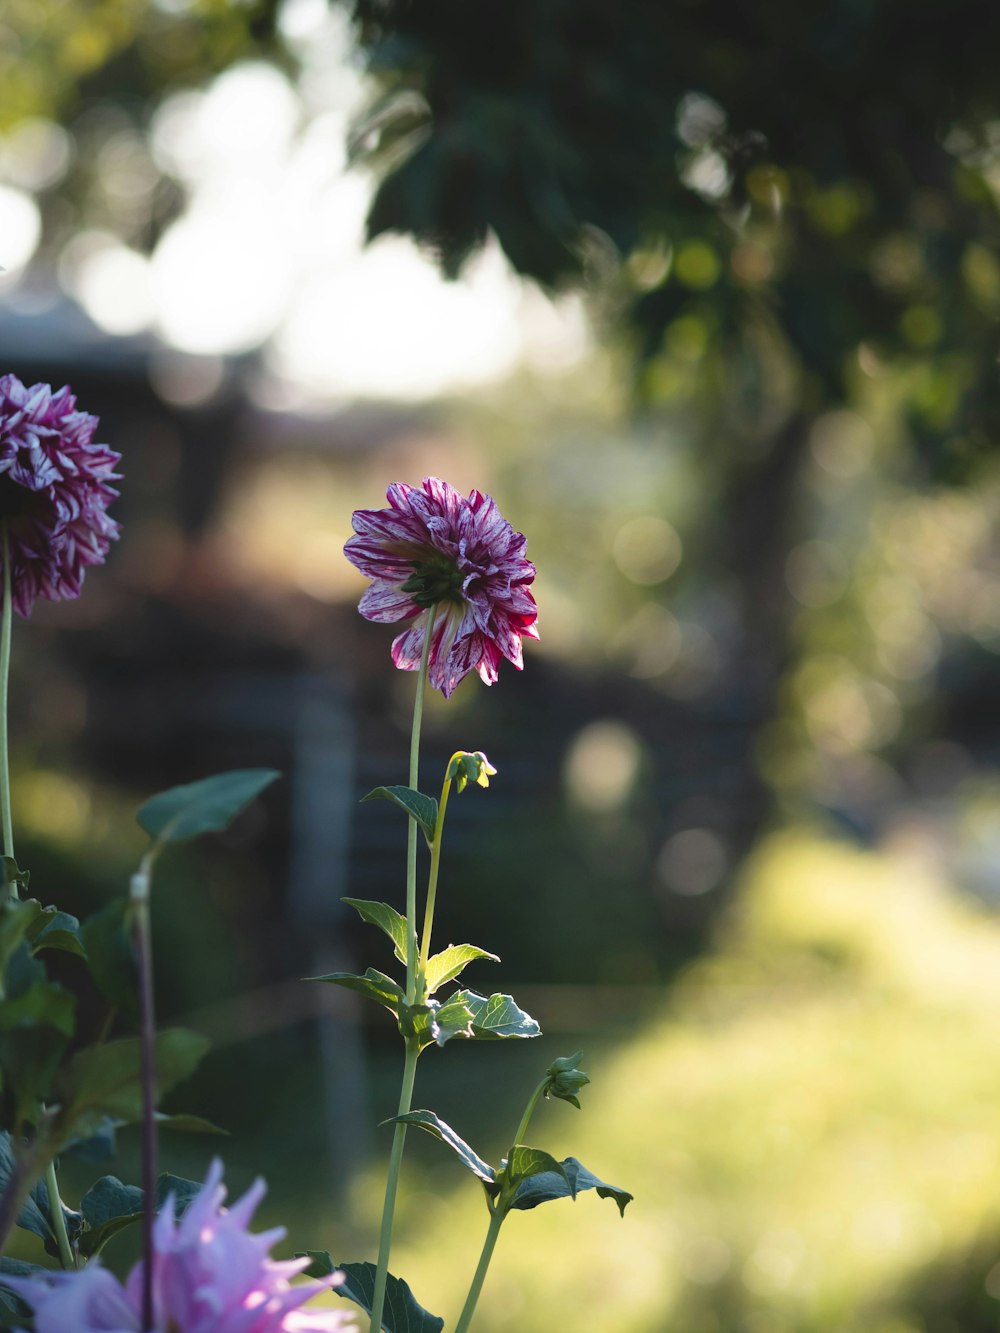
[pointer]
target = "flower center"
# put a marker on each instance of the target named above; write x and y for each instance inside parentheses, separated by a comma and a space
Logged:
(435, 578)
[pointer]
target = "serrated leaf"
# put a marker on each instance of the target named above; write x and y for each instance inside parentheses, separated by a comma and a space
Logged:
(450, 962)
(496, 1017)
(386, 918)
(435, 1126)
(53, 929)
(104, 1080)
(424, 809)
(374, 985)
(401, 1312)
(545, 1186)
(207, 806)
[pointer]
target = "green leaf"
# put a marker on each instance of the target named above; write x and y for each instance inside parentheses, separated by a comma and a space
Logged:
(184, 1192)
(424, 809)
(53, 929)
(105, 1080)
(374, 985)
(13, 1311)
(525, 1162)
(401, 1312)
(36, 1025)
(207, 806)
(15, 919)
(108, 1207)
(573, 1178)
(434, 1022)
(497, 1017)
(428, 1121)
(107, 939)
(386, 918)
(446, 965)
(320, 1265)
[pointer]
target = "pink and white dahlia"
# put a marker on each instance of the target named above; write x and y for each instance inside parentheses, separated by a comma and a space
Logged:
(210, 1275)
(457, 569)
(55, 488)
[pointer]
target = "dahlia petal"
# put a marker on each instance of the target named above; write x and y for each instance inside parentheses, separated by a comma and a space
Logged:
(386, 604)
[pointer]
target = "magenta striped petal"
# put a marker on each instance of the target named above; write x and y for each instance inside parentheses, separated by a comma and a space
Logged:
(459, 555)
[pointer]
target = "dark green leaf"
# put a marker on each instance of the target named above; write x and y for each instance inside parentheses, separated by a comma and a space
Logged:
(105, 1080)
(184, 1192)
(207, 806)
(108, 1207)
(13, 1311)
(400, 1314)
(446, 965)
(320, 1265)
(107, 939)
(574, 1177)
(53, 929)
(496, 1017)
(428, 1121)
(374, 985)
(15, 919)
(422, 808)
(386, 918)
(101, 1146)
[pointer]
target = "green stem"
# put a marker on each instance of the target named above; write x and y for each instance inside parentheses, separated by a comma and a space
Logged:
(411, 836)
(432, 880)
(412, 1050)
(392, 1181)
(5, 629)
(529, 1111)
(66, 1256)
(469, 1308)
(499, 1209)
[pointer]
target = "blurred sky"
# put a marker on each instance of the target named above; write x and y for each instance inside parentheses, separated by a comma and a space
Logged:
(269, 247)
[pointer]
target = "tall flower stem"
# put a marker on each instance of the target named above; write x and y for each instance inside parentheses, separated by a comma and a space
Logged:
(499, 1209)
(55, 1203)
(412, 1050)
(5, 632)
(143, 947)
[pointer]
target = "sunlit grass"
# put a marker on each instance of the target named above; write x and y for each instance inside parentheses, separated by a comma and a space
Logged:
(811, 1122)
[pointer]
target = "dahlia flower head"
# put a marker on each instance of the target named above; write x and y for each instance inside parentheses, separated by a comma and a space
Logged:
(454, 567)
(210, 1275)
(55, 488)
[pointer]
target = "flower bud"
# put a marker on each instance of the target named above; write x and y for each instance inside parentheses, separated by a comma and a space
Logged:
(466, 767)
(565, 1080)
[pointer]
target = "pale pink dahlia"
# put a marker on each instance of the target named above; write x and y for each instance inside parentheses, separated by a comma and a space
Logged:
(55, 488)
(434, 552)
(210, 1275)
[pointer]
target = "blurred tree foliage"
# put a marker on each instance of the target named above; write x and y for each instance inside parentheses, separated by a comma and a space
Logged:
(820, 179)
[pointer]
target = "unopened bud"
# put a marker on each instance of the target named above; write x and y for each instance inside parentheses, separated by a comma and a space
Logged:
(465, 768)
(565, 1080)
